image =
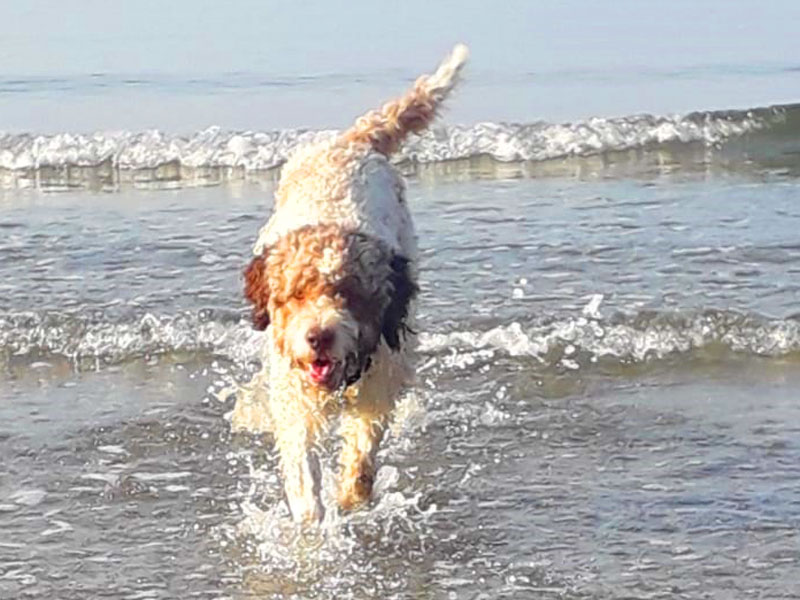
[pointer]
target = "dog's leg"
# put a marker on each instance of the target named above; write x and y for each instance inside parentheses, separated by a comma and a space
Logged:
(301, 472)
(364, 422)
(362, 434)
(297, 424)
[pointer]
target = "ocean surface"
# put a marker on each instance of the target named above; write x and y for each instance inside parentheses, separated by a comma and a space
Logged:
(609, 358)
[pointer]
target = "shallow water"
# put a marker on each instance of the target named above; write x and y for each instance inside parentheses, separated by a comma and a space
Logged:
(606, 403)
(605, 408)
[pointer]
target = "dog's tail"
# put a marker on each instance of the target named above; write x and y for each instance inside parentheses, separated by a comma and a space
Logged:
(385, 129)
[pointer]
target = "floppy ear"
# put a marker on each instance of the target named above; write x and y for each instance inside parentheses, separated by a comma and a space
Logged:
(256, 290)
(393, 325)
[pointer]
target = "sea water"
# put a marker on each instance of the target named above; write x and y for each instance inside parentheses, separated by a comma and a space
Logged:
(606, 398)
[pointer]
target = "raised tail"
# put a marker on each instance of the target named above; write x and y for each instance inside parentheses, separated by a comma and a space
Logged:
(385, 129)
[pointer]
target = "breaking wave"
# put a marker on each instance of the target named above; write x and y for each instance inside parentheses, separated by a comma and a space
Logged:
(90, 339)
(571, 342)
(157, 156)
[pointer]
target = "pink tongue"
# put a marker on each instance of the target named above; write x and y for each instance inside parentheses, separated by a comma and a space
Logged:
(320, 371)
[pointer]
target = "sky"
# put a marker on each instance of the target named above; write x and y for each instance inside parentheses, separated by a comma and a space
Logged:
(553, 60)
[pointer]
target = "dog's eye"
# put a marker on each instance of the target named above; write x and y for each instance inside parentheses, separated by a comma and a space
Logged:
(298, 295)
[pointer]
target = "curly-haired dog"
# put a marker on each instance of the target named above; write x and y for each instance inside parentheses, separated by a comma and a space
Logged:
(333, 282)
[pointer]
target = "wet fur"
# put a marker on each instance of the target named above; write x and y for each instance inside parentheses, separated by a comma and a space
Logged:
(369, 279)
(339, 255)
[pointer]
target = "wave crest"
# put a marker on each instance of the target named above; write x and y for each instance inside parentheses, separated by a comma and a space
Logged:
(579, 341)
(571, 342)
(78, 339)
(154, 155)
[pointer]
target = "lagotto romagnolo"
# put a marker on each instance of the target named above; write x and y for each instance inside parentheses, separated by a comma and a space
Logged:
(333, 282)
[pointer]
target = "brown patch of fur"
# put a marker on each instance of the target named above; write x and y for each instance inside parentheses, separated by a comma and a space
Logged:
(256, 290)
(356, 271)
(355, 491)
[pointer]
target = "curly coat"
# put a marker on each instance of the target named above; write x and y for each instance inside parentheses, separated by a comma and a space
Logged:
(333, 283)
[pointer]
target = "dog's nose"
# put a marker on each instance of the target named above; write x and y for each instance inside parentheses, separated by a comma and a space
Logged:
(320, 339)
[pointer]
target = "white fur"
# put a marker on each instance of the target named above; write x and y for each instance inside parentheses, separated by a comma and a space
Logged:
(347, 182)
(363, 192)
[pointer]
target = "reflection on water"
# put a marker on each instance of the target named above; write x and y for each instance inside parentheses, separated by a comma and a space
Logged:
(493, 484)
(605, 403)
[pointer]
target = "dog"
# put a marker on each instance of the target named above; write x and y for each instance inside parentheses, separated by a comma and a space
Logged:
(333, 282)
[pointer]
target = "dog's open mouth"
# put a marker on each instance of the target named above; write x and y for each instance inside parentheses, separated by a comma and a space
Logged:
(322, 371)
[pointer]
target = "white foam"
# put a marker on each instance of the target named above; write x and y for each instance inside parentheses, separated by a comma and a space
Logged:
(589, 335)
(156, 155)
(636, 339)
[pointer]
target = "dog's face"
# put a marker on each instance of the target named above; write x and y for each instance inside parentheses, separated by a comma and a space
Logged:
(329, 294)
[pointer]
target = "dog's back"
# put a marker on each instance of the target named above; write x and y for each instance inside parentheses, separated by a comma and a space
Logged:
(349, 180)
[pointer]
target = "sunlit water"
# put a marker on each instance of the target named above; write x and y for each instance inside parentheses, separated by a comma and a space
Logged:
(606, 398)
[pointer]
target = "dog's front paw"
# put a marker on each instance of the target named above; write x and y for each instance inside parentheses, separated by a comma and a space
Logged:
(306, 511)
(356, 490)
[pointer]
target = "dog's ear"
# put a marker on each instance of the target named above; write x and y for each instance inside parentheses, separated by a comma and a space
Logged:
(256, 290)
(403, 290)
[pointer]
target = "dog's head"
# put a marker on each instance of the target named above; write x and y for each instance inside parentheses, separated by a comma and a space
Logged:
(329, 295)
